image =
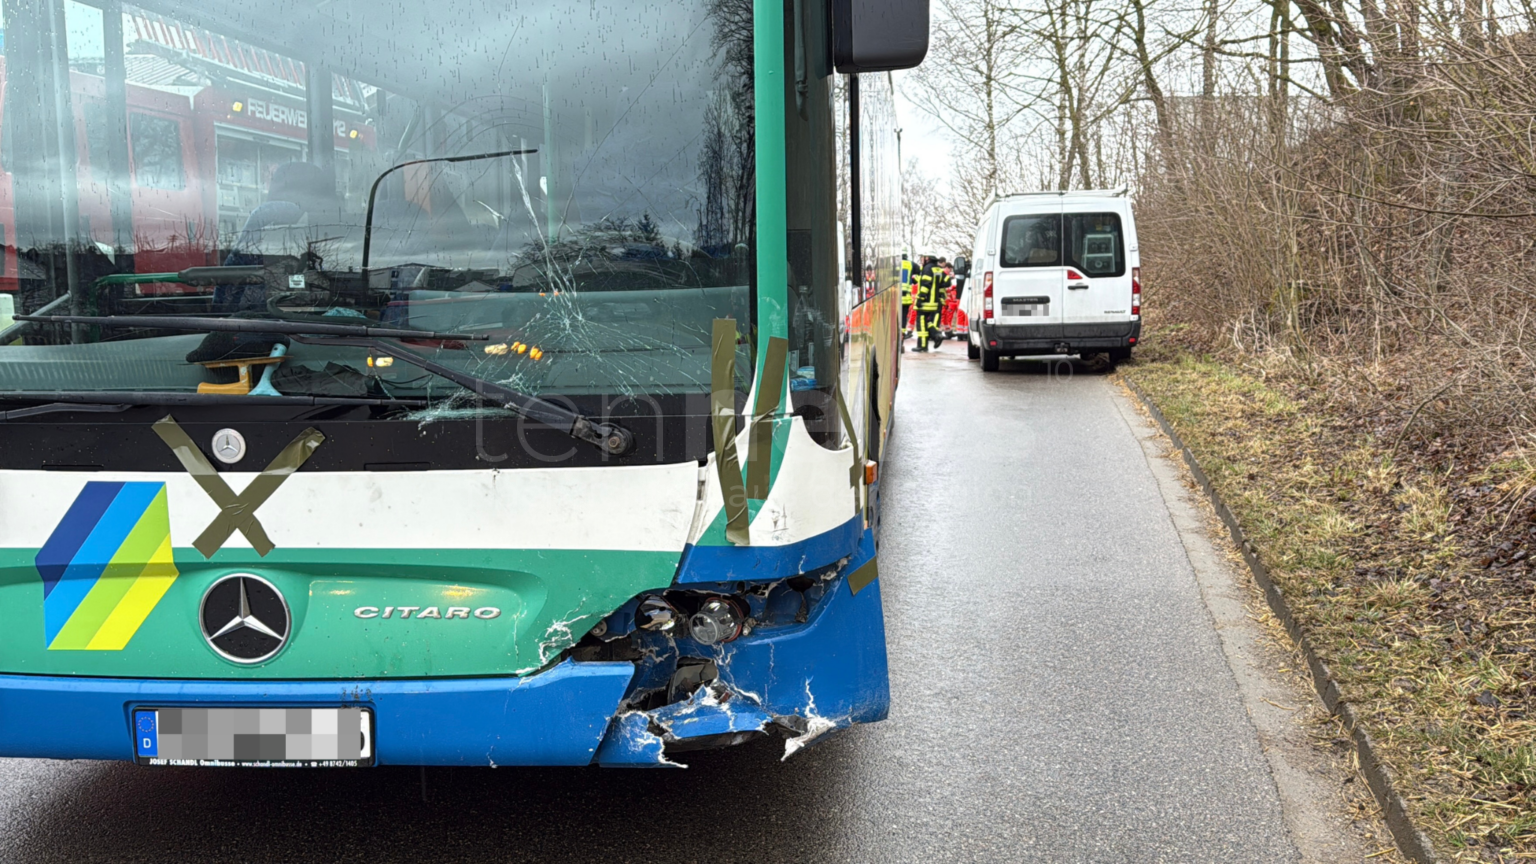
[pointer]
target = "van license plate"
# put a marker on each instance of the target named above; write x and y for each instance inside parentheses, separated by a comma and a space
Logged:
(254, 737)
(1026, 307)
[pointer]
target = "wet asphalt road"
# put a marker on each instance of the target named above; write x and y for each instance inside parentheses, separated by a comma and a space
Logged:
(1059, 694)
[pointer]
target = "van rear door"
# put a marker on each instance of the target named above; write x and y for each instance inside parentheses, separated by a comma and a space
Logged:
(1098, 275)
(1028, 283)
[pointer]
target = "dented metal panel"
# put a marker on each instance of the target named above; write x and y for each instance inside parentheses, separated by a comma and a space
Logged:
(798, 678)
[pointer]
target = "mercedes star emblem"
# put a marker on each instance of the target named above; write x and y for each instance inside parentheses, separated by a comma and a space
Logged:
(228, 446)
(244, 618)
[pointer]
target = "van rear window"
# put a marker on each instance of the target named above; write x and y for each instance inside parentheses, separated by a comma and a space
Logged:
(1032, 241)
(1090, 242)
(1095, 244)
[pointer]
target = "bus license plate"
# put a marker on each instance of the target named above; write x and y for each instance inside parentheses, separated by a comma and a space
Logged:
(254, 737)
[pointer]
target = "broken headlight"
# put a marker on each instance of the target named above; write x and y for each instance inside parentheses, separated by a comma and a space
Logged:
(658, 616)
(719, 619)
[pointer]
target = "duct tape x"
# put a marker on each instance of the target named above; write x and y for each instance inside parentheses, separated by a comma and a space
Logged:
(236, 512)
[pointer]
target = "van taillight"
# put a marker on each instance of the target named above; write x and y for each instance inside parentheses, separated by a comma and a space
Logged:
(986, 297)
(1135, 290)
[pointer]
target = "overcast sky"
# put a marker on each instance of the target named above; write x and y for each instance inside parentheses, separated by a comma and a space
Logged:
(921, 136)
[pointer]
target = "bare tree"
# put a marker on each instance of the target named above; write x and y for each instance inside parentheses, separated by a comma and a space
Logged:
(976, 85)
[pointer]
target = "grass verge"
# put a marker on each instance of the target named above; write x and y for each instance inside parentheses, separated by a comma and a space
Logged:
(1408, 572)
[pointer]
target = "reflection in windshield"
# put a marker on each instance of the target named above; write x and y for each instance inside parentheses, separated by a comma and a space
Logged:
(141, 142)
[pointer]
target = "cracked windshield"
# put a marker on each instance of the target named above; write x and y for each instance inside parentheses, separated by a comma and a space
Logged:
(553, 197)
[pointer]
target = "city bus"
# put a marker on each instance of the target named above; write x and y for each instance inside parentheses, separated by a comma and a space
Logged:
(462, 384)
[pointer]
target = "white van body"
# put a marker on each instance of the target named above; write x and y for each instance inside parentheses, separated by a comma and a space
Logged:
(1064, 272)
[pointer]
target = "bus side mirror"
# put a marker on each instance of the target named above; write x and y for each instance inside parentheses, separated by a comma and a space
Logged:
(962, 265)
(878, 35)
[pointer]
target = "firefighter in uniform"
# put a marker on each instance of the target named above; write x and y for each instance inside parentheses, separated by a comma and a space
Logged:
(941, 284)
(929, 299)
(949, 299)
(907, 287)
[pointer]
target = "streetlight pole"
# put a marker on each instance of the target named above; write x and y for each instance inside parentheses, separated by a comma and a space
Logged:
(901, 168)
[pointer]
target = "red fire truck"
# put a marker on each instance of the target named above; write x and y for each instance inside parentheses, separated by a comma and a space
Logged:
(209, 118)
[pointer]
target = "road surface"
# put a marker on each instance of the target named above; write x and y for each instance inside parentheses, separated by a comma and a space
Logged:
(1061, 692)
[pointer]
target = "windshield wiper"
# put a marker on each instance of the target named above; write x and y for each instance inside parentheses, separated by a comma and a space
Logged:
(613, 439)
(373, 191)
(59, 407)
(112, 401)
(250, 325)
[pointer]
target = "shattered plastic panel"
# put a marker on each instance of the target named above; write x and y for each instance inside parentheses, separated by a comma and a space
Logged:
(811, 661)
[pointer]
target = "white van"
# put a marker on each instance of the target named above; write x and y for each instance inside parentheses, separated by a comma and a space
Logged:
(1054, 273)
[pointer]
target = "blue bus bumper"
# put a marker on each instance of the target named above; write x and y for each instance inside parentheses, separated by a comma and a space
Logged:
(468, 721)
(805, 681)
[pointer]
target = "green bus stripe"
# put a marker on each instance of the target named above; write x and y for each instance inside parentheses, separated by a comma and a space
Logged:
(772, 182)
(772, 222)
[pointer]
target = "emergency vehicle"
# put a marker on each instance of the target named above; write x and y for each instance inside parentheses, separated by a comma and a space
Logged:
(208, 120)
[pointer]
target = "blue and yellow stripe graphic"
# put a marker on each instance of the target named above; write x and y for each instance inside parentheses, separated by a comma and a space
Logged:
(106, 566)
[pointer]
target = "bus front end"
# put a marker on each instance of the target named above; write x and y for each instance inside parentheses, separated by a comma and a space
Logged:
(458, 386)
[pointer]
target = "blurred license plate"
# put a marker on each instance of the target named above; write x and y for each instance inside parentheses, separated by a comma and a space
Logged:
(254, 737)
(1025, 310)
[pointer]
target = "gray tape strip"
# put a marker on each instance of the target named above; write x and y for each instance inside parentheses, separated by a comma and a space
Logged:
(770, 393)
(868, 572)
(722, 408)
(855, 473)
(236, 512)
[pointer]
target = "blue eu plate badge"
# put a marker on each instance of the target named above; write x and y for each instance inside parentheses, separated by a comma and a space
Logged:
(148, 737)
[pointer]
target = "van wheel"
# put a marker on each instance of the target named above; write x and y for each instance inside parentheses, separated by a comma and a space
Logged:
(971, 351)
(1118, 355)
(989, 360)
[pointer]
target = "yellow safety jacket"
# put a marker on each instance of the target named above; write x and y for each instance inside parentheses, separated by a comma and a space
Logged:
(941, 282)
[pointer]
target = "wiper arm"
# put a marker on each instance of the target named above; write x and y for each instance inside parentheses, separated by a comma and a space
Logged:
(60, 407)
(110, 401)
(613, 439)
(373, 191)
(250, 325)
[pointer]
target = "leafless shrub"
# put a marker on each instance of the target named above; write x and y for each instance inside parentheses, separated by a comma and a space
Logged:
(1386, 225)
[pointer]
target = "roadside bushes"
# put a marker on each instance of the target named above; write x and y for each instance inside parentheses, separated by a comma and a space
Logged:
(1384, 242)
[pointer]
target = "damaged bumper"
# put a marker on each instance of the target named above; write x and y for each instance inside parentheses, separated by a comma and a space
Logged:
(802, 680)
(465, 721)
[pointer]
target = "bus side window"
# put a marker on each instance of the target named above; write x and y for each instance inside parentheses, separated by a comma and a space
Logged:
(811, 209)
